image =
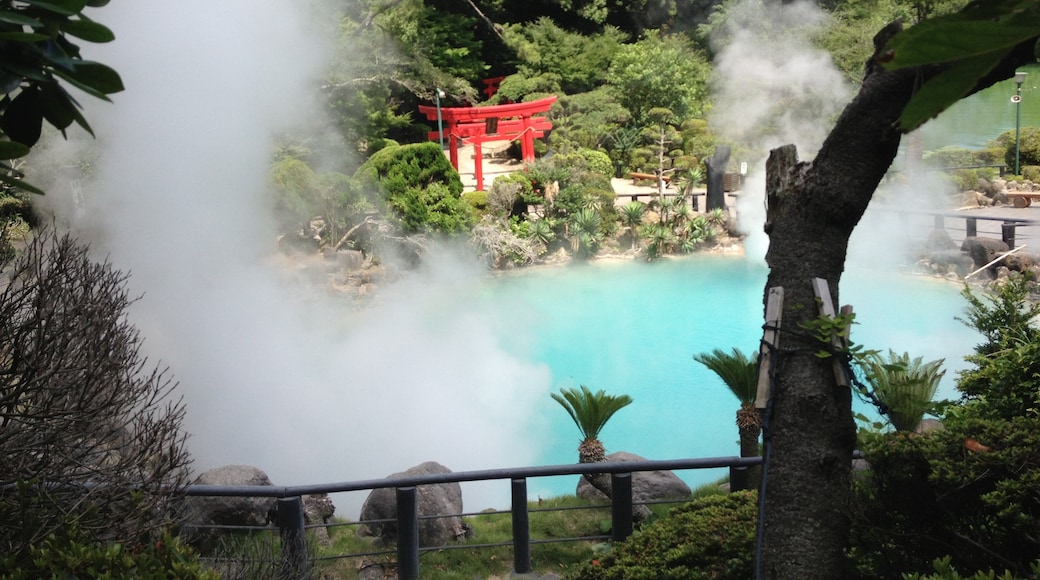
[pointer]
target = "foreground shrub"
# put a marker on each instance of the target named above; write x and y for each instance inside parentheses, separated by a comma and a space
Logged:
(967, 494)
(82, 410)
(968, 491)
(711, 537)
(71, 555)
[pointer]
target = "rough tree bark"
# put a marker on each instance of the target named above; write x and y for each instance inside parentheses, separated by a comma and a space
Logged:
(812, 210)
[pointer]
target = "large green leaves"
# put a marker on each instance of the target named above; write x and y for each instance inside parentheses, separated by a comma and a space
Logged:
(969, 43)
(36, 58)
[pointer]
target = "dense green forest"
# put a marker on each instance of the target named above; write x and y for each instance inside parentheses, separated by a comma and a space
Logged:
(635, 87)
(635, 83)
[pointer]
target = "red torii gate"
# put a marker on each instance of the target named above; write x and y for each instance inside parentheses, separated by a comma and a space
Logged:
(478, 125)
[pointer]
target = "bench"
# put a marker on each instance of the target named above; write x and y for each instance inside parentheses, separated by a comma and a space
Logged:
(1021, 199)
(637, 177)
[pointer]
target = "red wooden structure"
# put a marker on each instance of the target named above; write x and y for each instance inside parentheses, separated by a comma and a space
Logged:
(491, 86)
(478, 125)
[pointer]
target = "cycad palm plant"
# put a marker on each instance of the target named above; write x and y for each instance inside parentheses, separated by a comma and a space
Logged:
(659, 240)
(631, 216)
(585, 234)
(905, 386)
(590, 412)
(739, 373)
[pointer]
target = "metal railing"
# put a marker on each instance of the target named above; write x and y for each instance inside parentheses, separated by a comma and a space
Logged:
(1011, 231)
(290, 514)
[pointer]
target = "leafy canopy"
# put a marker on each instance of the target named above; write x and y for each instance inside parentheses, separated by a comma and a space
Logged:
(969, 43)
(36, 56)
(660, 71)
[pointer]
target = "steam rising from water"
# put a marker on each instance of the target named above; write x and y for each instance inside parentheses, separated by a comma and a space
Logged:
(291, 385)
(771, 88)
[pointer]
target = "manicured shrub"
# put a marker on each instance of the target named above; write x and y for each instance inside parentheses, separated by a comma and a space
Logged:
(950, 157)
(419, 185)
(476, 199)
(1028, 146)
(589, 160)
(711, 537)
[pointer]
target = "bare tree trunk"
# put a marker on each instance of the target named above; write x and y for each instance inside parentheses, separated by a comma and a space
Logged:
(812, 210)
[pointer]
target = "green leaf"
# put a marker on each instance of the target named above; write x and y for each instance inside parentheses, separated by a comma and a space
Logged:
(20, 69)
(88, 30)
(93, 78)
(19, 19)
(946, 88)
(946, 40)
(12, 150)
(23, 118)
(58, 106)
(64, 7)
(23, 36)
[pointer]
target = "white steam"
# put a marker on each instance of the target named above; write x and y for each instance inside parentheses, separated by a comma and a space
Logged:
(291, 384)
(772, 87)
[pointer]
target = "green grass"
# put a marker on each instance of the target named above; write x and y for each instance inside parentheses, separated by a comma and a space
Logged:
(490, 528)
(494, 528)
(256, 554)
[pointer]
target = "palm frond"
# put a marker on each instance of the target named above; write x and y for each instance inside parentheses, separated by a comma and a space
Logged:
(590, 411)
(738, 371)
(906, 386)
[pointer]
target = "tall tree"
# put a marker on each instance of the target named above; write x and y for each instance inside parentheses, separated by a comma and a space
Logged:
(812, 209)
(659, 71)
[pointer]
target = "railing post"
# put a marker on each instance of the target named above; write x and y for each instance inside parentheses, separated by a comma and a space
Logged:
(521, 527)
(940, 222)
(621, 506)
(407, 534)
(1007, 233)
(294, 542)
(971, 228)
(739, 477)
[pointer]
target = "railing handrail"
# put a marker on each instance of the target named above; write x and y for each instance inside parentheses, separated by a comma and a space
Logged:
(956, 214)
(463, 476)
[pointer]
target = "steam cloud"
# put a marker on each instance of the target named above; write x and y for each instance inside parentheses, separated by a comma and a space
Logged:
(283, 380)
(772, 87)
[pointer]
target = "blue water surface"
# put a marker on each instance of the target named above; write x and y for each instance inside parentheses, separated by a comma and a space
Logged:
(633, 327)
